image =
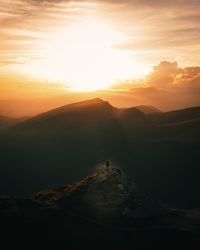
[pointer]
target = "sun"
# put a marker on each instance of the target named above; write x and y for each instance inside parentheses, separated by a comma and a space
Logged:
(84, 57)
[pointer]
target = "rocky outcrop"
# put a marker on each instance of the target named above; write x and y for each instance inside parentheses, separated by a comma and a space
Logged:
(107, 194)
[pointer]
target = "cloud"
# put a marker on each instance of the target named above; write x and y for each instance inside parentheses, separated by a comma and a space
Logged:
(155, 29)
(169, 75)
(161, 29)
(24, 23)
(168, 87)
(164, 74)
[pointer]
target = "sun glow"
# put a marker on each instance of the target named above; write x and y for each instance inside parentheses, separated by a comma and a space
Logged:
(83, 56)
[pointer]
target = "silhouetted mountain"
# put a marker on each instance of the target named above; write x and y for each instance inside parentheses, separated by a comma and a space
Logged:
(87, 112)
(94, 112)
(160, 150)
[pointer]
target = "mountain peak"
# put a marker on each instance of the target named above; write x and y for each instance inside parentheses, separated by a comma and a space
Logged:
(93, 101)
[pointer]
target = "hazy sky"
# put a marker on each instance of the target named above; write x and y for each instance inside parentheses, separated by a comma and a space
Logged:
(88, 45)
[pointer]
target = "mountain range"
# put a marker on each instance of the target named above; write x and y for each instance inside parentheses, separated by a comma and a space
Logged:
(160, 150)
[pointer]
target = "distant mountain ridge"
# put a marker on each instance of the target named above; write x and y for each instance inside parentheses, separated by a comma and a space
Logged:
(97, 113)
(89, 111)
(92, 103)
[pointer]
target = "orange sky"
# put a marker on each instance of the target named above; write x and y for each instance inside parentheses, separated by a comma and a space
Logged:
(50, 48)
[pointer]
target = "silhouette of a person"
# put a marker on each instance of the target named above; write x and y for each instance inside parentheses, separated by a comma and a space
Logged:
(107, 164)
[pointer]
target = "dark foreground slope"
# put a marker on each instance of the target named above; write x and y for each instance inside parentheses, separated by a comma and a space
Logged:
(103, 211)
(161, 150)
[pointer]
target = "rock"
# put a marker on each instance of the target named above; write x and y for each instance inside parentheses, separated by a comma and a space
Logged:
(108, 194)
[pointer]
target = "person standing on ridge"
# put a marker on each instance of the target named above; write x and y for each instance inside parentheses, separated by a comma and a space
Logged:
(107, 164)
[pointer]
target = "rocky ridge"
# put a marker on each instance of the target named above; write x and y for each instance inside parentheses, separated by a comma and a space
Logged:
(106, 194)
